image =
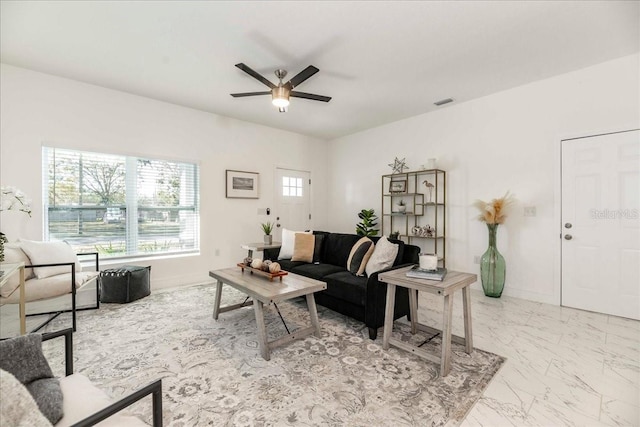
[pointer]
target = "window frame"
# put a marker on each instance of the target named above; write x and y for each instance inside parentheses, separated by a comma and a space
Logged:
(130, 209)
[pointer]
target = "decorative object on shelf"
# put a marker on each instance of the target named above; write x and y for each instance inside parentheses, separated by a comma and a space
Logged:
(430, 188)
(402, 206)
(430, 165)
(492, 263)
(424, 231)
(365, 227)
(398, 166)
(241, 185)
(267, 227)
(398, 186)
(395, 235)
(12, 199)
(3, 240)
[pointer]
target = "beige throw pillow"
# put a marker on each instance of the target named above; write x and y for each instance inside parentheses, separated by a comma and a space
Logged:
(303, 247)
(288, 243)
(50, 253)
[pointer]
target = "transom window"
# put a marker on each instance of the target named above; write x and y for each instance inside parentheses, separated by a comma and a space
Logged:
(120, 205)
(291, 186)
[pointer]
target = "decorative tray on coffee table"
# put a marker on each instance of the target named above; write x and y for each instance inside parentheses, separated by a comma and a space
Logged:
(259, 272)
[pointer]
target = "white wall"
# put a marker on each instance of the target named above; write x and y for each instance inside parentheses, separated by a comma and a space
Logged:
(37, 109)
(506, 141)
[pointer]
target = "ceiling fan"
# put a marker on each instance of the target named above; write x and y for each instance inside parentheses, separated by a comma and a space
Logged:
(280, 94)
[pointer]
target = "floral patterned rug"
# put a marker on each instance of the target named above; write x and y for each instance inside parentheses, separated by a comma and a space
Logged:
(212, 372)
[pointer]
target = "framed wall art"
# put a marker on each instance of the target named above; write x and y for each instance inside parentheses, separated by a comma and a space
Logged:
(242, 185)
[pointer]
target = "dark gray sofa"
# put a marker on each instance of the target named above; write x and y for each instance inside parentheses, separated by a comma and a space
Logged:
(362, 298)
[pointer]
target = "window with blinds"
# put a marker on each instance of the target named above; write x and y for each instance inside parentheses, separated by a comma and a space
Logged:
(120, 206)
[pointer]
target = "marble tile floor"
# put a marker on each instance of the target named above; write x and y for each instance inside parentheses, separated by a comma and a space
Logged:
(565, 367)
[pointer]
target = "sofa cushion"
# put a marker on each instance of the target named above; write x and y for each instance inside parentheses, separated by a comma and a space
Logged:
(316, 271)
(288, 265)
(50, 253)
(384, 256)
(17, 407)
(346, 286)
(49, 287)
(303, 247)
(337, 248)
(359, 256)
(82, 399)
(288, 243)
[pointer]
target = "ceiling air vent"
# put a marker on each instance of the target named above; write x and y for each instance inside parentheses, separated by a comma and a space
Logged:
(443, 101)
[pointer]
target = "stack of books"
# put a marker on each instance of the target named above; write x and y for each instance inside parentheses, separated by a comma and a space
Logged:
(420, 273)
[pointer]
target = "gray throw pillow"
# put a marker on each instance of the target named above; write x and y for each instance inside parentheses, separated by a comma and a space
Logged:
(23, 358)
(48, 395)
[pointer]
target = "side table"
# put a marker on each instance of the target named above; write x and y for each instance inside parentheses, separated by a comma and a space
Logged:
(453, 282)
(250, 247)
(8, 270)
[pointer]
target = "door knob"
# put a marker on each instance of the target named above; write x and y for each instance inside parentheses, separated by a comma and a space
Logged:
(568, 225)
(568, 237)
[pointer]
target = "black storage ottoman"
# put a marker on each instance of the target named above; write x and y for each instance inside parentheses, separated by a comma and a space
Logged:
(125, 284)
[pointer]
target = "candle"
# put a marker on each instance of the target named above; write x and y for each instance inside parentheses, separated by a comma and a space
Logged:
(429, 262)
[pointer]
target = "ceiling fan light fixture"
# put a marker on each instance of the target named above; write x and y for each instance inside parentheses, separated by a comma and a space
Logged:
(280, 97)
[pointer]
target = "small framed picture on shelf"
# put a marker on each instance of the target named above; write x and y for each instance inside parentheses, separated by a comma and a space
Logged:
(398, 186)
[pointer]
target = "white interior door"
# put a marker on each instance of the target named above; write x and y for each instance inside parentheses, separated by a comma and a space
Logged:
(293, 201)
(601, 224)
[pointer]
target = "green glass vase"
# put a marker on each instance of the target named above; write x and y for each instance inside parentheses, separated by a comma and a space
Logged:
(492, 266)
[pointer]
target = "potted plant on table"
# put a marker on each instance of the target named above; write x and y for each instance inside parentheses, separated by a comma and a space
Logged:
(267, 227)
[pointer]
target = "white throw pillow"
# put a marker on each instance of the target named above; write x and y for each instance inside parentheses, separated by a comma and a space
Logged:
(289, 243)
(50, 253)
(383, 256)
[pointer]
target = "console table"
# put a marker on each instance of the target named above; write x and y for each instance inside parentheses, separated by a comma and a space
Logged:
(452, 282)
(8, 270)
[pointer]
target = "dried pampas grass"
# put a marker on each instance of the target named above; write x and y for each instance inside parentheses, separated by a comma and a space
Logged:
(495, 211)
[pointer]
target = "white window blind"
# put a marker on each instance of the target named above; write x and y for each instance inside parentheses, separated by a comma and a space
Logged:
(120, 205)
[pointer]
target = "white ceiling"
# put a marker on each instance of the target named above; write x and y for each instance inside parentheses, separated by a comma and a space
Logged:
(380, 61)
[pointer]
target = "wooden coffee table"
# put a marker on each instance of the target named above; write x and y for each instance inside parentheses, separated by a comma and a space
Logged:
(262, 291)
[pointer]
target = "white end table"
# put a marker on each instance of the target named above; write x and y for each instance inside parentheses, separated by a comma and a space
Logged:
(250, 247)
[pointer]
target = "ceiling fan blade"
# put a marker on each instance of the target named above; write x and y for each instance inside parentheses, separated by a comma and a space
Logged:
(310, 96)
(255, 75)
(240, 95)
(302, 76)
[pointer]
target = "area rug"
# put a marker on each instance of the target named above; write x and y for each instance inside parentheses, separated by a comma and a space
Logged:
(212, 372)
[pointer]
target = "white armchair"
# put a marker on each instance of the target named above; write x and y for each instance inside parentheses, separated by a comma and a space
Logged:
(54, 281)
